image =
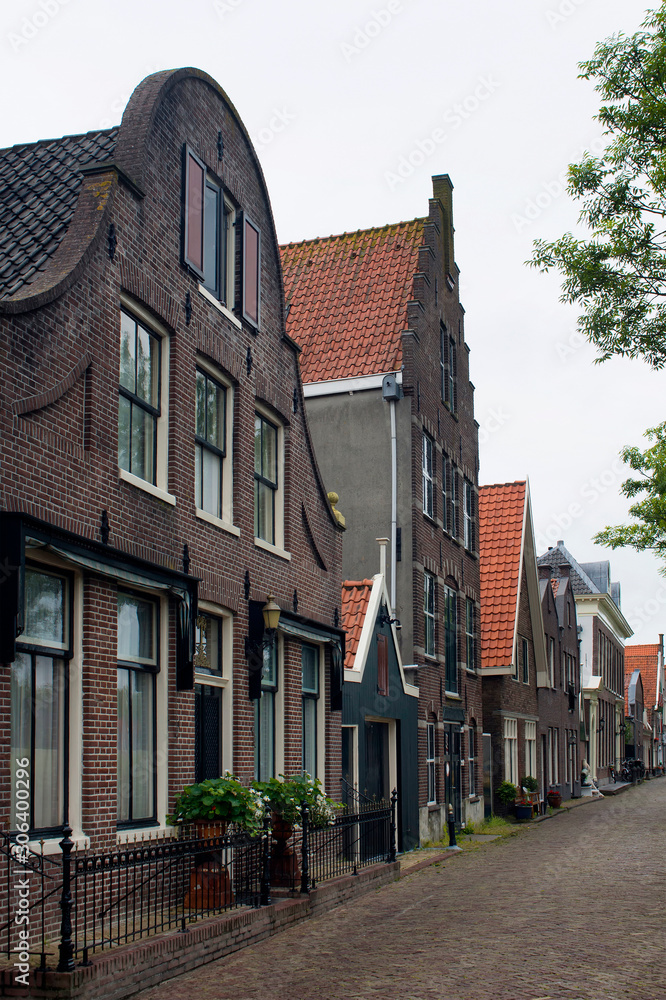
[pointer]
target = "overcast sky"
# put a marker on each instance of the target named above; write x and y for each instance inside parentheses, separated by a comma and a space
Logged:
(352, 106)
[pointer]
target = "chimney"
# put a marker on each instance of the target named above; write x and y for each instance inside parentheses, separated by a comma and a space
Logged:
(383, 545)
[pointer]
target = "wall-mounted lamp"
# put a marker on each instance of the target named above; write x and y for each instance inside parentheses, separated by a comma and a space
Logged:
(572, 741)
(271, 615)
(601, 726)
(387, 620)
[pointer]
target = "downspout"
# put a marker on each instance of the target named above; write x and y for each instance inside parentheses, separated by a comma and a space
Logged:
(394, 503)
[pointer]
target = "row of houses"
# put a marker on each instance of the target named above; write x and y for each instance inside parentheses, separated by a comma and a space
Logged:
(179, 396)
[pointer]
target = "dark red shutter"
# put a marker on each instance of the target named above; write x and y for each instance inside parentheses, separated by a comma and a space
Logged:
(250, 272)
(195, 179)
(382, 664)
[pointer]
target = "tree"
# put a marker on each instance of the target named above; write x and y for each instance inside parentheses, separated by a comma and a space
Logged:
(649, 531)
(618, 275)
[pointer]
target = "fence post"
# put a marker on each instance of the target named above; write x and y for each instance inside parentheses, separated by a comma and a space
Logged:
(66, 948)
(305, 849)
(265, 893)
(392, 850)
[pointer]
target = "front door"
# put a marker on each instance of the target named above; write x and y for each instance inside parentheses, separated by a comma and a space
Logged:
(377, 760)
(452, 775)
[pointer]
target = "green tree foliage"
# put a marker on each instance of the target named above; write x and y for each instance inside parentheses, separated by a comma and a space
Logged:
(649, 490)
(618, 275)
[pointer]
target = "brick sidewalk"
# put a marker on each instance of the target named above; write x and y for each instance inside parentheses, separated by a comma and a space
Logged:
(565, 910)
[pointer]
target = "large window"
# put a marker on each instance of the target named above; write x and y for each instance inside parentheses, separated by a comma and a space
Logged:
(208, 698)
(139, 404)
(266, 444)
(264, 717)
(553, 756)
(137, 668)
(209, 231)
(310, 696)
(511, 751)
(530, 749)
(470, 633)
(427, 475)
(38, 704)
(469, 532)
(429, 614)
(450, 375)
(451, 639)
(430, 763)
(211, 440)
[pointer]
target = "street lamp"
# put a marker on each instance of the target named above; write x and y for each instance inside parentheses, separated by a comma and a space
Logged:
(254, 647)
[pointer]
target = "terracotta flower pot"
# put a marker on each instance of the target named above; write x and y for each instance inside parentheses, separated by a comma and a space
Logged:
(554, 799)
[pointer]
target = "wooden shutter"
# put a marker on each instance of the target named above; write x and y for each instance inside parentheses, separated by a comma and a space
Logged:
(194, 191)
(251, 272)
(382, 664)
(253, 651)
(12, 563)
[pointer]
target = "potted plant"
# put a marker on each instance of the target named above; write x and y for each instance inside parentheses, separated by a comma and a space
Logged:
(554, 797)
(507, 793)
(524, 805)
(212, 804)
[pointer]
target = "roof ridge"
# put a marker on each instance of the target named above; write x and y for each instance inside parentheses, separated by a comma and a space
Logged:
(59, 139)
(354, 232)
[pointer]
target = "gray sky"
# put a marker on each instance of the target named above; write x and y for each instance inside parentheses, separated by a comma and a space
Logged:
(352, 106)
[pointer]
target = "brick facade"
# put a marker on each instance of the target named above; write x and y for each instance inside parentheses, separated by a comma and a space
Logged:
(59, 458)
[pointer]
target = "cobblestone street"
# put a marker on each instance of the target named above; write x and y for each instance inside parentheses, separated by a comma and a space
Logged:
(568, 909)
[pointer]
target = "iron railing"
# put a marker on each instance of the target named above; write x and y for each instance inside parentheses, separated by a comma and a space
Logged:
(76, 903)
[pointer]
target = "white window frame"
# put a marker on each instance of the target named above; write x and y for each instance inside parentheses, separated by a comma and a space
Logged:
(470, 634)
(277, 548)
(530, 749)
(427, 475)
(429, 616)
(224, 680)
(431, 762)
(226, 520)
(551, 660)
(158, 489)
(553, 757)
(468, 515)
(320, 715)
(471, 761)
(227, 241)
(511, 750)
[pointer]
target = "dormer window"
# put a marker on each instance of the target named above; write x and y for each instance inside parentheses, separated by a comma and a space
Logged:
(208, 236)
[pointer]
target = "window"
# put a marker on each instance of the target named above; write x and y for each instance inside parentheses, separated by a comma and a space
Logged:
(524, 657)
(251, 272)
(427, 475)
(451, 639)
(38, 703)
(511, 750)
(264, 717)
(551, 659)
(553, 753)
(211, 444)
(430, 764)
(208, 698)
(382, 665)
(265, 478)
(530, 749)
(449, 497)
(443, 361)
(469, 533)
(450, 375)
(429, 614)
(139, 400)
(470, 636)
(310, 696)
(471, 758)
(209, 231)
(454, 516)
(138, 665)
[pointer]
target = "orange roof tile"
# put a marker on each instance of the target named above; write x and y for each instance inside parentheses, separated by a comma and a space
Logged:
(645, 659)
(501, 519)
(347, 299)
(355, 600)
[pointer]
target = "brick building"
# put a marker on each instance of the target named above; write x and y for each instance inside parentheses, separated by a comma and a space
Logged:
(602, 632)
(649, 660)
(513, 650)
(157, 477)
(558, 701)
(391, 408)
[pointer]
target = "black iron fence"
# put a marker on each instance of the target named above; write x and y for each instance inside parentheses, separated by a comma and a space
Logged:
(63, 908)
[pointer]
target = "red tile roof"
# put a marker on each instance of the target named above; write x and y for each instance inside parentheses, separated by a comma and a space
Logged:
(501, 519)
(643, 658)
(347, 297)
(355, 600)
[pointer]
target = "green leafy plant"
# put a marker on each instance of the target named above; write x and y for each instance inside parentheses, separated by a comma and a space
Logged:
(529, 782)
(224, 799)
(507, 792)
(286, 797)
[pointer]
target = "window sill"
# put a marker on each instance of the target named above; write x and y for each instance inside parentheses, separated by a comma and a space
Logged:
(434, 807)
(453, 695)
(474, 798)
(147, 487)
(470, 670)
(273, 549)
(218, 305)
(203, 515)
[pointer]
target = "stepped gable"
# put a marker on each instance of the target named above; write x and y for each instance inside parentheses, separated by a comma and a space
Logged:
(347, 299)
(501, 525)
(39, 188)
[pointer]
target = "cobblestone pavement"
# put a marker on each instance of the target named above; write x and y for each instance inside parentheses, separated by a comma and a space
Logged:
(570, 909)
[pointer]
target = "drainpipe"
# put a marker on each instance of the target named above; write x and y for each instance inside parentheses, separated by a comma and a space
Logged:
(391, 393)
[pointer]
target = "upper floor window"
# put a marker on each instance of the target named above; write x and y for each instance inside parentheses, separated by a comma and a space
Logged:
(525, 660)
(211, 443)
(551, 660)
(427, 475)
(429, 614)
(265, 717)
(310, 697)
(470, 634)
(451, 639)
(266, 482)
(469, 533)
(251, 272)
(448, 366)
(209, 230)
(139, 404)
(443, 361)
